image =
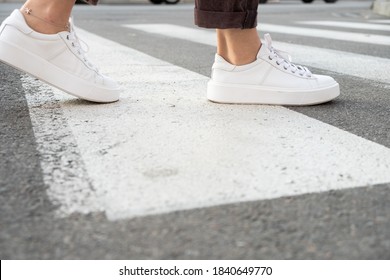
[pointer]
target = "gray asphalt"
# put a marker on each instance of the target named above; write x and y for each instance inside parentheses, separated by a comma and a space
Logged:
(346, 224)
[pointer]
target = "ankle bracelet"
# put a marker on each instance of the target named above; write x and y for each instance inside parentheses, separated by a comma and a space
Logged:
(28, 11)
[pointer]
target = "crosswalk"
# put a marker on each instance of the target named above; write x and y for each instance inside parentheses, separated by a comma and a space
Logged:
(164, 148)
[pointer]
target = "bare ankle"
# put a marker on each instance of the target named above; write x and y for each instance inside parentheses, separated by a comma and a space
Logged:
(47, 16)
(239, 57)
(42, 27)
(238, 46)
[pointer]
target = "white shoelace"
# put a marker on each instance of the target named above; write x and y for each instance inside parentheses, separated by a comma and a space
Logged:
(78, 44)
(285, 60)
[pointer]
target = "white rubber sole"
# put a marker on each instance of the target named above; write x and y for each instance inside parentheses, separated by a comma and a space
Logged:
(55, 76)
(247, 94)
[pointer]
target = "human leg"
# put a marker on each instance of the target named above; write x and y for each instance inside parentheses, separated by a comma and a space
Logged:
(237, 38)
(48, 16)
(238, 46)
(40, 40)
(245, 71)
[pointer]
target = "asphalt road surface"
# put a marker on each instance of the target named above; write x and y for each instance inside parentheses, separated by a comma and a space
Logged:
(165, 174)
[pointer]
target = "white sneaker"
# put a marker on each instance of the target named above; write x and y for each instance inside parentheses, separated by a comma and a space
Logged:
(271, 79)
(56, 59)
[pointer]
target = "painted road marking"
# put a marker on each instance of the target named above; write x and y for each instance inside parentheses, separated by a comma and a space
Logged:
(61, 163)
(353, 25)
(327, 34)
(163, 147)
(332, 60)
(380, 21)
(195, 35)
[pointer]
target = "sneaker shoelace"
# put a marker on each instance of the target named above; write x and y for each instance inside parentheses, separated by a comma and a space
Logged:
(284, 59)
(80, 46)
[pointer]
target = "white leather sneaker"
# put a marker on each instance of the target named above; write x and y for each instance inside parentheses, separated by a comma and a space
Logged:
(58, 60)
(271, 79)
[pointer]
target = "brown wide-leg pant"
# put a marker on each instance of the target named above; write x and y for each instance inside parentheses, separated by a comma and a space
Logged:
(222, 14)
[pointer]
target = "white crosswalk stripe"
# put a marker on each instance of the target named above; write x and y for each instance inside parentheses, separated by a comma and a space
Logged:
(367, 38)
(354, 25)
(163, 147)
(380, 21)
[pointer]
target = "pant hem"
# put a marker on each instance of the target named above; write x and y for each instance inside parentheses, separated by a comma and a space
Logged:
(225, 20)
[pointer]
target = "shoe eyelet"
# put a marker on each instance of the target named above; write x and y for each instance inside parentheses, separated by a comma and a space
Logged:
(301, 74)
(277, 63)
(285, 68)
(269, 58)
(67, 37)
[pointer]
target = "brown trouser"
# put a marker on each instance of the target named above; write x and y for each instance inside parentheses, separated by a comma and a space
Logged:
(226, 13)
(222, 13)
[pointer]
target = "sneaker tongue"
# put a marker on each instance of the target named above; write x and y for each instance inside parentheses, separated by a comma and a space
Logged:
(71, 24)
(263, 52)
(265, 46)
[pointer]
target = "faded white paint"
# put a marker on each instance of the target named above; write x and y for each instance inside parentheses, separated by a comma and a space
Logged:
(367, 38)
(352, 25)
(380, 21)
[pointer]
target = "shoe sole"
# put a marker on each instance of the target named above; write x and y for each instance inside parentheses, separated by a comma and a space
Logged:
(244, 94)
(55, 76)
